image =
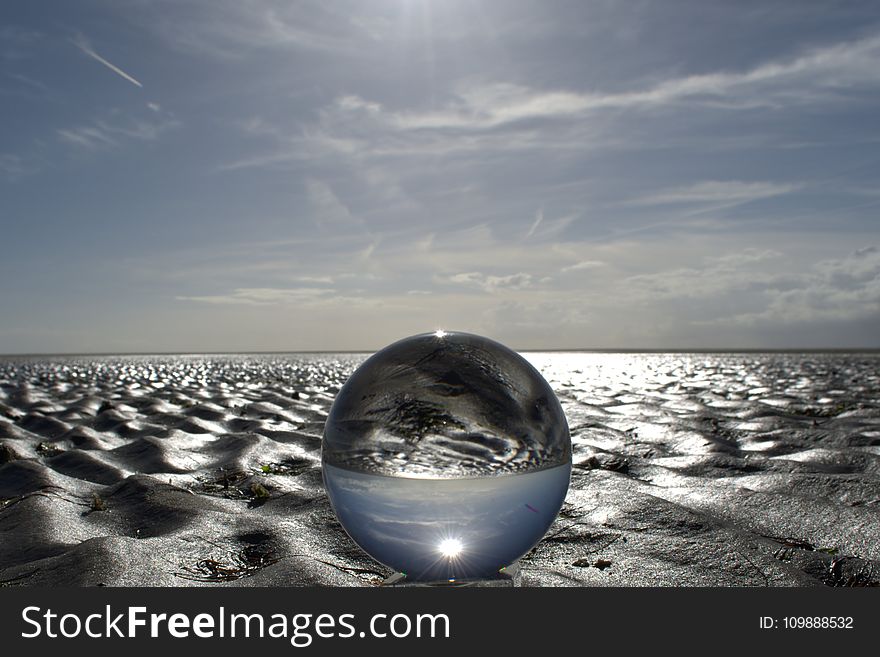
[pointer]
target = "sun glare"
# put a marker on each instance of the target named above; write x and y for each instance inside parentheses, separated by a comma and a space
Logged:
(450, 548)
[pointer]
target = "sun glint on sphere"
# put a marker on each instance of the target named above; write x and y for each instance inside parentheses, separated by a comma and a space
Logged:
(450, 547)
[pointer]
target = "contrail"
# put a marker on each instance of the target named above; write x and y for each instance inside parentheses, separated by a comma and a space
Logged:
(539, 217)
(81, 43)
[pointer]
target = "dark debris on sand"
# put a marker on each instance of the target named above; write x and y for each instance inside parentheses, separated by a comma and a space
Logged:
(232, 565)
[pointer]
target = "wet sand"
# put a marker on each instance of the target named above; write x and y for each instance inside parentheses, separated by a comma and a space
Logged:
(690, 470)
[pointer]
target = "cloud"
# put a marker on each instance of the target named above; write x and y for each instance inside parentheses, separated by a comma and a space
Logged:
(473, 119)
(539, 217)
(104, 134)
(32, 88)
(83, 44)
(328, 280)
(822, 69)
(480, 106)
(544, 229)
(719, 276)
(262, 296)
(835, 290)
(234, 28)
(328, 208)
(841, 288)
(714, 192)
(13, 166)
(352, 103)
(17, 43)
(584, 265)
(488, 283)
(90, 137)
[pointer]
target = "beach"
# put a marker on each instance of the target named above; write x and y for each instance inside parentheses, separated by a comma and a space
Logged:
(690, 469)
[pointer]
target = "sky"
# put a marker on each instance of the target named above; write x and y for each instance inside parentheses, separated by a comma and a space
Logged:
(234, 175)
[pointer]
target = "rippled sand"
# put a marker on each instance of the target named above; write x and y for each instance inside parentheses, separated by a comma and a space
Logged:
(720, 470)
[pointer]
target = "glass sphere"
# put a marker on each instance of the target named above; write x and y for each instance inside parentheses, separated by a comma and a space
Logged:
(446, 456)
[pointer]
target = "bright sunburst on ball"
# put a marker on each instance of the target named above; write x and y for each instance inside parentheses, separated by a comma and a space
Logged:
(450, 548)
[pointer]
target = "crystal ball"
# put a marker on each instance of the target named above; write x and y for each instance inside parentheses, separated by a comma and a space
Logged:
(446, 456)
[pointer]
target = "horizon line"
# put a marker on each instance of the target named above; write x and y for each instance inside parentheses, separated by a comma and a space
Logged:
(598, 350)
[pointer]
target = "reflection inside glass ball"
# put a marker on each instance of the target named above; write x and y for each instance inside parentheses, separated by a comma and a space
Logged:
(450, 547)
(446, 456)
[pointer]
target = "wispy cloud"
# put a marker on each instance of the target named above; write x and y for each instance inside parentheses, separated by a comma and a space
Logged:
(261, 296)
(18, 43)
(29, 82)
(328, 209)
(233, 28)
(815, 75)
(13, 166)
(84, 46)
(475, 118)
(539, 217)
(104, 133)
(584, 265)
(488, 283)
(714, 192)
(325, 280)
(480, 106)
(90, 137)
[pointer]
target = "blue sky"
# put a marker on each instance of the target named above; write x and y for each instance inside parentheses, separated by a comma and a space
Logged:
(237, 175)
